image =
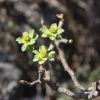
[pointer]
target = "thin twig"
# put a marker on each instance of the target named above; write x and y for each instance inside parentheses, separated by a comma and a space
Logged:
(40, 70)
(51, 47)
(29, 83)
(66, 41)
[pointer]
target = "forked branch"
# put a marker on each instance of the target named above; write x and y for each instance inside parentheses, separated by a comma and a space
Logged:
(92, 92)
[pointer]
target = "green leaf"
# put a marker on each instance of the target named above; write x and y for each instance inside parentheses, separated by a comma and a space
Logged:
(32, 41)
(42, 48)
(36, 58)
(25, 33)
(24, 47)
(19, 40)
(44, 59)
(47, 33)
(36, 52)
(51, 59)
(58, 37)
(36, 37)
(44, 35)
(43, 29)
(31, 33)
(59, 31)
(51, 55)
(52, 37)
(53, 27)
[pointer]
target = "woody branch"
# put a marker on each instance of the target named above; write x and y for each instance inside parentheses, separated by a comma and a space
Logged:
(91, 92)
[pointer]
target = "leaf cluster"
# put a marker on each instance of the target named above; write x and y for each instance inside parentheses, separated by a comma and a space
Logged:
(28, 41)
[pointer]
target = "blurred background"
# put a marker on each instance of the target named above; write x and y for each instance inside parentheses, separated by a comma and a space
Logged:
(82, 24)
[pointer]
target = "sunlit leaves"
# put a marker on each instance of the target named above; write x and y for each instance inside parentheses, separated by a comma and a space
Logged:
(53, 33)
(27, 40)
(42, 55)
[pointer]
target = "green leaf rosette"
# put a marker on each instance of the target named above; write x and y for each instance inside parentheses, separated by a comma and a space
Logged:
(42, 55)
(53, 33)
(27, 40)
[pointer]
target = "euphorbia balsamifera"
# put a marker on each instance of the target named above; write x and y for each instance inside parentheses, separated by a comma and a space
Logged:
(44, 54)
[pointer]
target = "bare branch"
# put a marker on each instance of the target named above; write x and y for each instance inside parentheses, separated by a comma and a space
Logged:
(54, 86)
(51, 47)
(92, 92)
(66, 66)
